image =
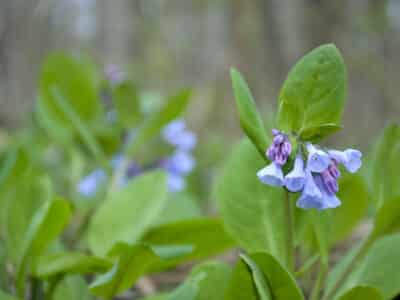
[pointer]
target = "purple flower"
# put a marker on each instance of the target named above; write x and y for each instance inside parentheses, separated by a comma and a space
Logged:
(294, 181)
(88, 186)
(280, 148)
(271, 174)
(114, 74)
(181, 162)
(133, 170)
(175, 134)
(311, 197)
(329, 199)
(350, 158)
(318, 160)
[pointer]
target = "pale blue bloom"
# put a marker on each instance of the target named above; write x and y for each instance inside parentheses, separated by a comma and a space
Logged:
(350, 158)
(181, 162)
(318, 160)
(88, 186)
(294, 181)
(176, 134)
(329, 199)
(271, 174)
(311, 197)
(175, 182)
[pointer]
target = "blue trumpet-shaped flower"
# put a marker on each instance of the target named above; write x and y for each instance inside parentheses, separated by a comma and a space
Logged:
(176, 134)
(175, 182)
(88, 186)
(318, 160)
(311, 197)
(181, 162)
(294, 181)
(271, 174)
(350, 158)
(329, 198)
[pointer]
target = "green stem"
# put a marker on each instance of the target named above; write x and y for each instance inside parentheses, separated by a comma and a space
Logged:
(36, 289)
(362, 251)
(316, 291)
(290, 231)
(52, 286)
(309, 263)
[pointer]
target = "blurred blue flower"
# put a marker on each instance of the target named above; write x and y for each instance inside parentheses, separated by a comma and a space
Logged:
(176, 134)
(294, 181)
(88, 186)
(350, 158)
(176, 182)
(181, 162)
(271, 174)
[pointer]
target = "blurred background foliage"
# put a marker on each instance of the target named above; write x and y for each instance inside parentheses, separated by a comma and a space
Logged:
(166, 45)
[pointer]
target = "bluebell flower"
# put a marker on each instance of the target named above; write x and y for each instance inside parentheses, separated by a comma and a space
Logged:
(175, 182)
(318, 160)
(271, 174)
(175, 134)
(311, 197)
(350, 158)
(181, 162)
(88, 186)
(294, 181)
(329, 198)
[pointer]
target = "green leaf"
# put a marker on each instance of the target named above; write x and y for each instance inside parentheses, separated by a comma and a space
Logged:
(281, 284)
(215, 282)
(4, 296)
(63, 105)
(253, 212)
(260, 281)
(74, 77)
(46, 225)
(387, 219)
(69, 263)
(188, 290)
(316, 133)
(249, 117)
(207, 237)
(241, 285)
(313, 94)
(362, 293)
(132, 262)
(127, 104)
(72, 287)
(126, 214)
(380, 268)
(386, 165)
(152, 126)
(354, 195)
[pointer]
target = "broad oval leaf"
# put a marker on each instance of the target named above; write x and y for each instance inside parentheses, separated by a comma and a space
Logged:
(74, 77)
(126, 214)
(241, 285)
(314, 92)
(362, 293)
(207, 237)
(249, 117)
(387, 219)
(253, 212)
(281, 284)
(69, 263)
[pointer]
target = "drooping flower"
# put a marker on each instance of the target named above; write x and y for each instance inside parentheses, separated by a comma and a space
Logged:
(175, 182)
(88, 186)
(311, 197)
(176, 134)
(180, 162)
(318, 160)
(294, 181)
(271, 174)
(329, 198)
(350, 158)
(278, 153)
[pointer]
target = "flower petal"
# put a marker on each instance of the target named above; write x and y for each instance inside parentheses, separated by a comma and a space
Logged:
(272, 175)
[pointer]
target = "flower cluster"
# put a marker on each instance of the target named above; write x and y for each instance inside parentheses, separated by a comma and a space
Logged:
(317, 180)
(177, 165)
